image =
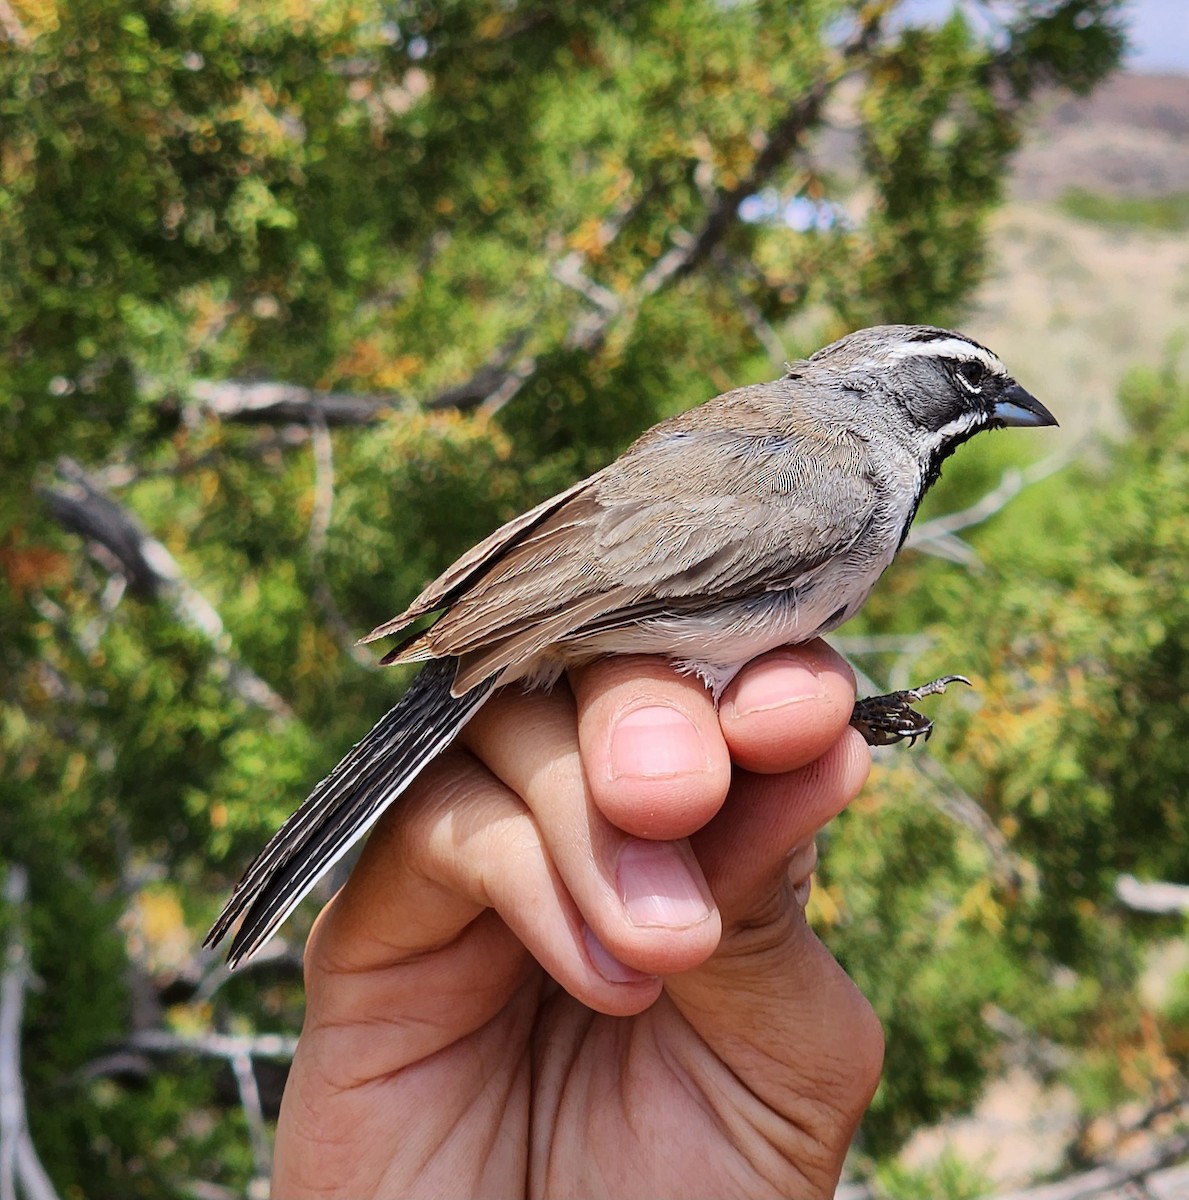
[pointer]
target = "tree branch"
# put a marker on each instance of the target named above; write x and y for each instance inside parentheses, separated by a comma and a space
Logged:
(938, 535)
(129, 1054)
(249, 1099)
(238, 1052)
(589, 331)
(1154, 897)
(280, 1046)
(323, 508)
(21, 1172)
(121, 546)
(281, 403)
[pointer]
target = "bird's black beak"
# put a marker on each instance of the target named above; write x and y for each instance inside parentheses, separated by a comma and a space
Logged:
(1016, 406)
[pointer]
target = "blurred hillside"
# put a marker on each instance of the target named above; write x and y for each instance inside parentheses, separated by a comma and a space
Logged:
(1089, 281)
(1090, 273)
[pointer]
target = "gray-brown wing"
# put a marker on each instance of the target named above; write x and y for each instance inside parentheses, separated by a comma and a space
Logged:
(756, 512)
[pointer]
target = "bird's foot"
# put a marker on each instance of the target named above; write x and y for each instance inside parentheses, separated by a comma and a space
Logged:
(885, 720)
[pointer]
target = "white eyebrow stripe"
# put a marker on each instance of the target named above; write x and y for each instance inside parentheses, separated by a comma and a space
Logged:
(949, 348)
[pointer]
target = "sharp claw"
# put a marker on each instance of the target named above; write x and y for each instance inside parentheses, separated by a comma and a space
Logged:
(885, 720)
(936, 687)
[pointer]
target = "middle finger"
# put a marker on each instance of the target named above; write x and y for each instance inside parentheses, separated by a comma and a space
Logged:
(645, 902)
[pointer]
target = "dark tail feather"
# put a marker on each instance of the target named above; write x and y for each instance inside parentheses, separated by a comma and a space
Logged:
(344, 806)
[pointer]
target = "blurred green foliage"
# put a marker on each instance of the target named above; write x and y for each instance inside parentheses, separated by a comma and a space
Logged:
(950, 1179)
(469, 212)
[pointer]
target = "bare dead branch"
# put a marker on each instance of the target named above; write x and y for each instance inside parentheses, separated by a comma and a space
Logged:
(277, 954)
(568, 271)
(938, 536)
(1152, 897)
(121, 546)
(21, 1172)
(249, 1098)
(282, 403)
(323, 508)
(227, 1046)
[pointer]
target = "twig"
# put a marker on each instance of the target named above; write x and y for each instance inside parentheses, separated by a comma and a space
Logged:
(1037, 1054)
(249, 1098)
(961, 808)
(690, 252)
(213, 1045)
(117, 541)
(1142, 896)
(278, 953)
(21, 1172)
(937, 536)
(568, 271)
(238, 1052)
(129, 1054)
(280, 403)
(323, 507)
(907, 648)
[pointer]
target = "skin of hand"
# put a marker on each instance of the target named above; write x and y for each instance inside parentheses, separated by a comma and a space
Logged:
(574, 960)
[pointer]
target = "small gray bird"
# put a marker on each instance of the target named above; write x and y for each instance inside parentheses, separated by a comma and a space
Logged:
(760, 519)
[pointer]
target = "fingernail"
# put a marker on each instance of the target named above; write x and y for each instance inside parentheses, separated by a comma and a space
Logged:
(607, 965)
(774, 685)
(657, 887)
(650, 743)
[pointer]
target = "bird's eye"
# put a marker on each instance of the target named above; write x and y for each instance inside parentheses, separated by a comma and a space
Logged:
(971, 375)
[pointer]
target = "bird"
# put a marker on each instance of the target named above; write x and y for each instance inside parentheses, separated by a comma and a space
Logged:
(759, 519)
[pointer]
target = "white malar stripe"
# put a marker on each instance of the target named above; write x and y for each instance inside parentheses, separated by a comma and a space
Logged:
(949, 348)
(937, 438)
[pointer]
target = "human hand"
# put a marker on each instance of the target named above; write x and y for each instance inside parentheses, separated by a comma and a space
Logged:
(573, 960)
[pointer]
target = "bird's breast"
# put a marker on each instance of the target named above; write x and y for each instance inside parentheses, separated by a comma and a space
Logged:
(716, 641)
